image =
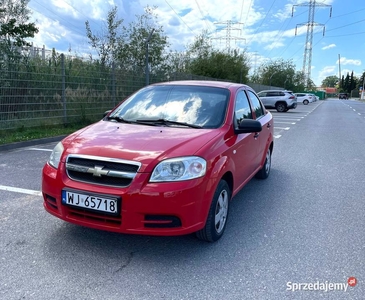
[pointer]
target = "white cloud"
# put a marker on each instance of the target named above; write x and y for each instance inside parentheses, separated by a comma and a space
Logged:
(346, 61)
(329, 46)
(325, 72)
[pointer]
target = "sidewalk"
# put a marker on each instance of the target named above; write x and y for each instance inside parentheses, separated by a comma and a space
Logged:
(12, 146)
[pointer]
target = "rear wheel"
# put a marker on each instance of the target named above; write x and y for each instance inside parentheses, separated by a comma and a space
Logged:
(217, 215)
(280, 107)
(305, 102)
(265, 170)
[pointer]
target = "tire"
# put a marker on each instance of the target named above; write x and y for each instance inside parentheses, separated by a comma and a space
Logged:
(265, 170)
(280, 107)
(305, 102)
(217, 215)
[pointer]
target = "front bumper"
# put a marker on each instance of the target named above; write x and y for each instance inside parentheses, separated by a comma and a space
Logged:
(170, 208)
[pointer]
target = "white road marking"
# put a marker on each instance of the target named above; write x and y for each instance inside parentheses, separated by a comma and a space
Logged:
(359, 114)
(277, 136)
(354, 109)
(276, 118)
(19, 190)
(282, 128)
(276, 122)
(40, 149)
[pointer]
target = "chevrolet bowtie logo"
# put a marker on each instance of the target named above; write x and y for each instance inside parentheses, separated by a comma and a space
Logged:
(97, 171)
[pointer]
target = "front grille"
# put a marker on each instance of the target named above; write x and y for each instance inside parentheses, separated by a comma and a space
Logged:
(100, 218)
(101, 170)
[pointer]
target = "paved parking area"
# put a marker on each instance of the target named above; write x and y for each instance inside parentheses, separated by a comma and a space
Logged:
(285, 121)
(301, 225)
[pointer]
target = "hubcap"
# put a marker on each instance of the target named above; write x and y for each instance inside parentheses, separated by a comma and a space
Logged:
(221, 211)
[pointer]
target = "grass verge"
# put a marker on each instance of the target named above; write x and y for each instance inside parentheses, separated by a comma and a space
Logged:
(26, 134)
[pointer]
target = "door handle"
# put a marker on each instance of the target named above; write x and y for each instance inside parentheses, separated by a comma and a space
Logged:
(256, 135)
(268, 125)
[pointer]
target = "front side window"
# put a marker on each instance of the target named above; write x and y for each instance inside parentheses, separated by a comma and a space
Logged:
(242, 108)
(257, 107)
(196, 105)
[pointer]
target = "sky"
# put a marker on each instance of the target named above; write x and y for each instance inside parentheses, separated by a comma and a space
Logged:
(265, 29)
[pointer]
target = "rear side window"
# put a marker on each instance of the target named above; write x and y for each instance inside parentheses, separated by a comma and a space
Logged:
(256, 103)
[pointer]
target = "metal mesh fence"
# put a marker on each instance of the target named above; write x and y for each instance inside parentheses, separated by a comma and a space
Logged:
(42, 88)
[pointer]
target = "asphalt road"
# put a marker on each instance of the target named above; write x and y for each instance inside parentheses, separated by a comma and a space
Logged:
(303, 225)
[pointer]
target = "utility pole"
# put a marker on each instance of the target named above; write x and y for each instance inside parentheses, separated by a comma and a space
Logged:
(339, 71)
(307, 57)
(147, 63)
(228, 30)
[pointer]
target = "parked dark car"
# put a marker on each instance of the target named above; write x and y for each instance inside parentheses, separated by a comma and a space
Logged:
(343, 96)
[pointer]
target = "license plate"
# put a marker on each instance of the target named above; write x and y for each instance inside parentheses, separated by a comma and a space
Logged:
(93, 202)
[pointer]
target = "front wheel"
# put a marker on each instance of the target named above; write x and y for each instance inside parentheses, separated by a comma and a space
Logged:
(265, 170)
(217, 215)
(305, 102)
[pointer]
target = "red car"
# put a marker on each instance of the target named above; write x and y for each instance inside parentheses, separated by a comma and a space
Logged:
(166, 161)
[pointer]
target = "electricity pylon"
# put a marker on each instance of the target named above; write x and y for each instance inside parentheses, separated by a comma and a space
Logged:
(308, 47)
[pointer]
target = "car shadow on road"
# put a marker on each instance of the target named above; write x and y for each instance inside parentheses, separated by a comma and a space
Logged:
(251, 212)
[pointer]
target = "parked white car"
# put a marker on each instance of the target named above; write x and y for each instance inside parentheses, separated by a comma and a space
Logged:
(305, 98)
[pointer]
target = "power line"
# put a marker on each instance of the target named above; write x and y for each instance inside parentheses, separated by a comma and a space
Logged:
(272, 4)
(201, 12)
(179, 16)
(66, 21)
(346, 25)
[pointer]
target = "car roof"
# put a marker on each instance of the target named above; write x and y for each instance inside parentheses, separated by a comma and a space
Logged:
(275, 91)
(208, 83)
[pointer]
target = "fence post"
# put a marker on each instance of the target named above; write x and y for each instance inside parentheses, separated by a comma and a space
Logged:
(63, 92)
(113, 84)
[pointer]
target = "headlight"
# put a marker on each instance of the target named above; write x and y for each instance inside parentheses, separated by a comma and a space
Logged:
(55, 157)
(178, 169)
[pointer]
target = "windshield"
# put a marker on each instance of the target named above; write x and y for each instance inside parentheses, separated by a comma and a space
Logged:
(203, 107)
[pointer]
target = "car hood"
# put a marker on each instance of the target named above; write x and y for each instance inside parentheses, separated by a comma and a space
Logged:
(145, 144)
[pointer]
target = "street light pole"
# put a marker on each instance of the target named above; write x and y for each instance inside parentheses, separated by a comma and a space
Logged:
(271, 77)
(147, 66)
(363, 85)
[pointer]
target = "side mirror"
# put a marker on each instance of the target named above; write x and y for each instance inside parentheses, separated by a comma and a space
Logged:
(248, 126)
(106, 113)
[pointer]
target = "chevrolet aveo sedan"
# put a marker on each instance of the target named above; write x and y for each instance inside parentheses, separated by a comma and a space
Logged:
(166, 161)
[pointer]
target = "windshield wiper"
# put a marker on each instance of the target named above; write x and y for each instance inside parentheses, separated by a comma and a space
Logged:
(119, 119)
(166, 122)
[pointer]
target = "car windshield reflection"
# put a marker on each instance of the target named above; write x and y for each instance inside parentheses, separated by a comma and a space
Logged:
(204, 107)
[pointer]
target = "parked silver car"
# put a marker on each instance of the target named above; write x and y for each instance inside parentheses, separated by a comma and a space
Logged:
(305, 98)
(280, 99)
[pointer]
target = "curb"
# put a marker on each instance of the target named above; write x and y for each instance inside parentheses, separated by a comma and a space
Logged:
(13, 146)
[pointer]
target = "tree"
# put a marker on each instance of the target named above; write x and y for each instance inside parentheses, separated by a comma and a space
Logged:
(204, 60)
(132, 51)
(126, 46)
(282, 73)
(105, 44)
(330, 81)
(15, 27)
